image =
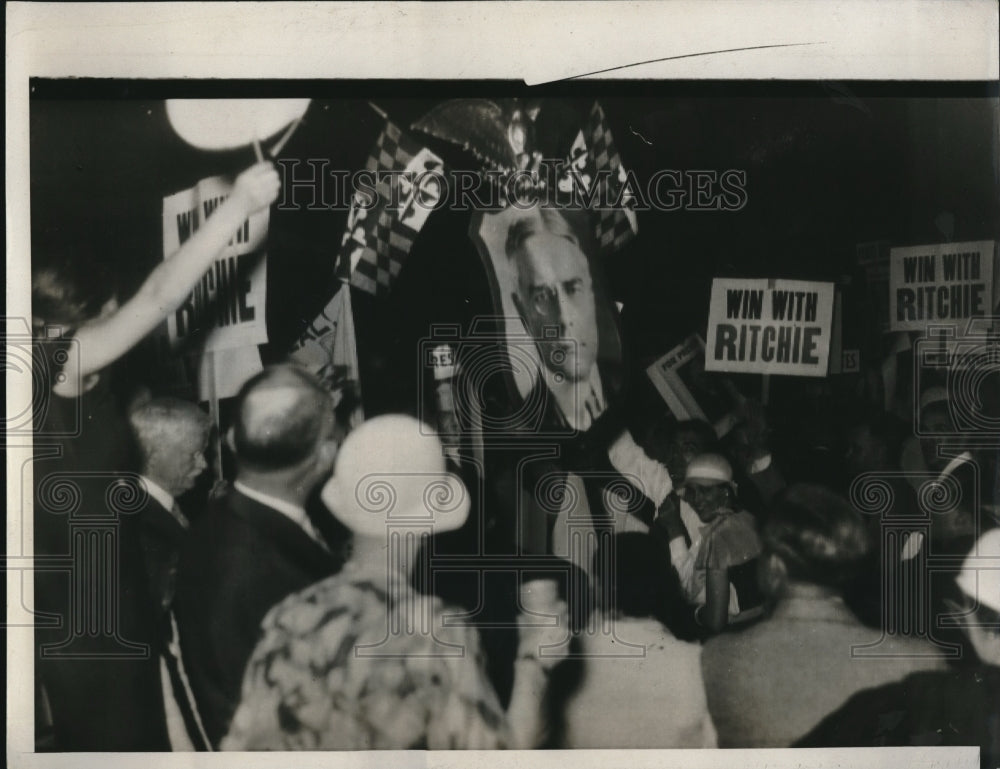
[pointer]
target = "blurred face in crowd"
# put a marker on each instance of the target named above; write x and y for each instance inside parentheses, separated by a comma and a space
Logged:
(555, 296)
(741, 445)
(934, 419)
(709, 500)
(685, 446)
(864, 452)
(177, 463)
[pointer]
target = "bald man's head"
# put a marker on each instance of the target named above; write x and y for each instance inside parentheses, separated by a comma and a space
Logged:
(283, 416)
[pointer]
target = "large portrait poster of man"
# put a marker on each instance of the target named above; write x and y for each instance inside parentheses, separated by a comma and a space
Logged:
(561, 327)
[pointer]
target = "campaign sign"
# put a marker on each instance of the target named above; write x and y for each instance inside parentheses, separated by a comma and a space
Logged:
(940, 284)
(679, 377)
(769, 327)
(226, 308)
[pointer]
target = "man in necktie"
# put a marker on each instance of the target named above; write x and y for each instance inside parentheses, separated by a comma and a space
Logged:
(256, 545)
(172, 436)
(554, 293)
(555, 298)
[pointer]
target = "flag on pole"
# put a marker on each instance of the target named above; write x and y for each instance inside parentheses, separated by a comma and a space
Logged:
(381, 228)
(328, 348)
(594, 167)
(221, 373)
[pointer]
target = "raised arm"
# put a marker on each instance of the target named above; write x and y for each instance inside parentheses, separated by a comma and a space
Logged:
(526, 720)
(715, 613)
(103, 340)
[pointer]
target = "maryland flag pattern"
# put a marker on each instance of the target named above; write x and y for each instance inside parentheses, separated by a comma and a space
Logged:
(594, 162)
(381, 228)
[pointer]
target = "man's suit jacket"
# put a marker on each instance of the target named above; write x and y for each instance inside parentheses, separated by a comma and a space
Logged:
(161, 537)
(241, 559)
(772, 682)
(102, 702)
(960, 706)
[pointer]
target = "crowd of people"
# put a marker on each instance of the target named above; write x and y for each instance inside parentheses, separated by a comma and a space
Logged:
(759, 605)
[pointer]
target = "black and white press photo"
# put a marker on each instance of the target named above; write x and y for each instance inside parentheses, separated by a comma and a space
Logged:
(510, 413)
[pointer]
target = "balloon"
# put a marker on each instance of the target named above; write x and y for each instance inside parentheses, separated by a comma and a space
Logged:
(224, 124)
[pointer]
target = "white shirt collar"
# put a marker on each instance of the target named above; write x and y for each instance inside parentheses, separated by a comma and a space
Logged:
(760, 464)
(165, 498)
(296, 512)
(157, 492)
(954, 464)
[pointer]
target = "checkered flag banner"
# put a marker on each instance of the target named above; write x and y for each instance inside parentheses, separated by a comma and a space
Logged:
(381, 228)
(594, 159)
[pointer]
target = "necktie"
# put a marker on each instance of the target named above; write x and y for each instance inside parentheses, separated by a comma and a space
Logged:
(592, 409)
(182, 693)
(179, 516)
(313, 532)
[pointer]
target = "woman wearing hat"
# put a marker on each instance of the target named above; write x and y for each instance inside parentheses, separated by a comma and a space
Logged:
(362, 661)
(719, 569)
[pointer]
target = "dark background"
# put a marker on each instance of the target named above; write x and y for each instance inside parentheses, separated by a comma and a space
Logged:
(827, 166)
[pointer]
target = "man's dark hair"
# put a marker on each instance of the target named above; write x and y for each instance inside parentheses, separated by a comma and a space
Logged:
(642, 583)
(702, 431)
(281, 414)
(653, 435)
(884, 428)
(549, 220)
(936, 408)
(69, 290)
(659, 436)
(817, 534)
(986, 616)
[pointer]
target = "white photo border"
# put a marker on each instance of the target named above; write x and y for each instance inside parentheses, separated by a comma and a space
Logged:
(897, 40)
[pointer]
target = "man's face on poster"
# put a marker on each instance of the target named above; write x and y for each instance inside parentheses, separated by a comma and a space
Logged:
(555, 297)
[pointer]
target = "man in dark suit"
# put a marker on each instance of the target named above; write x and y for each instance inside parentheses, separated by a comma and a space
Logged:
(257, 545)
(554, 295)
(956, 707)
(574, 393)
(172, 436)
